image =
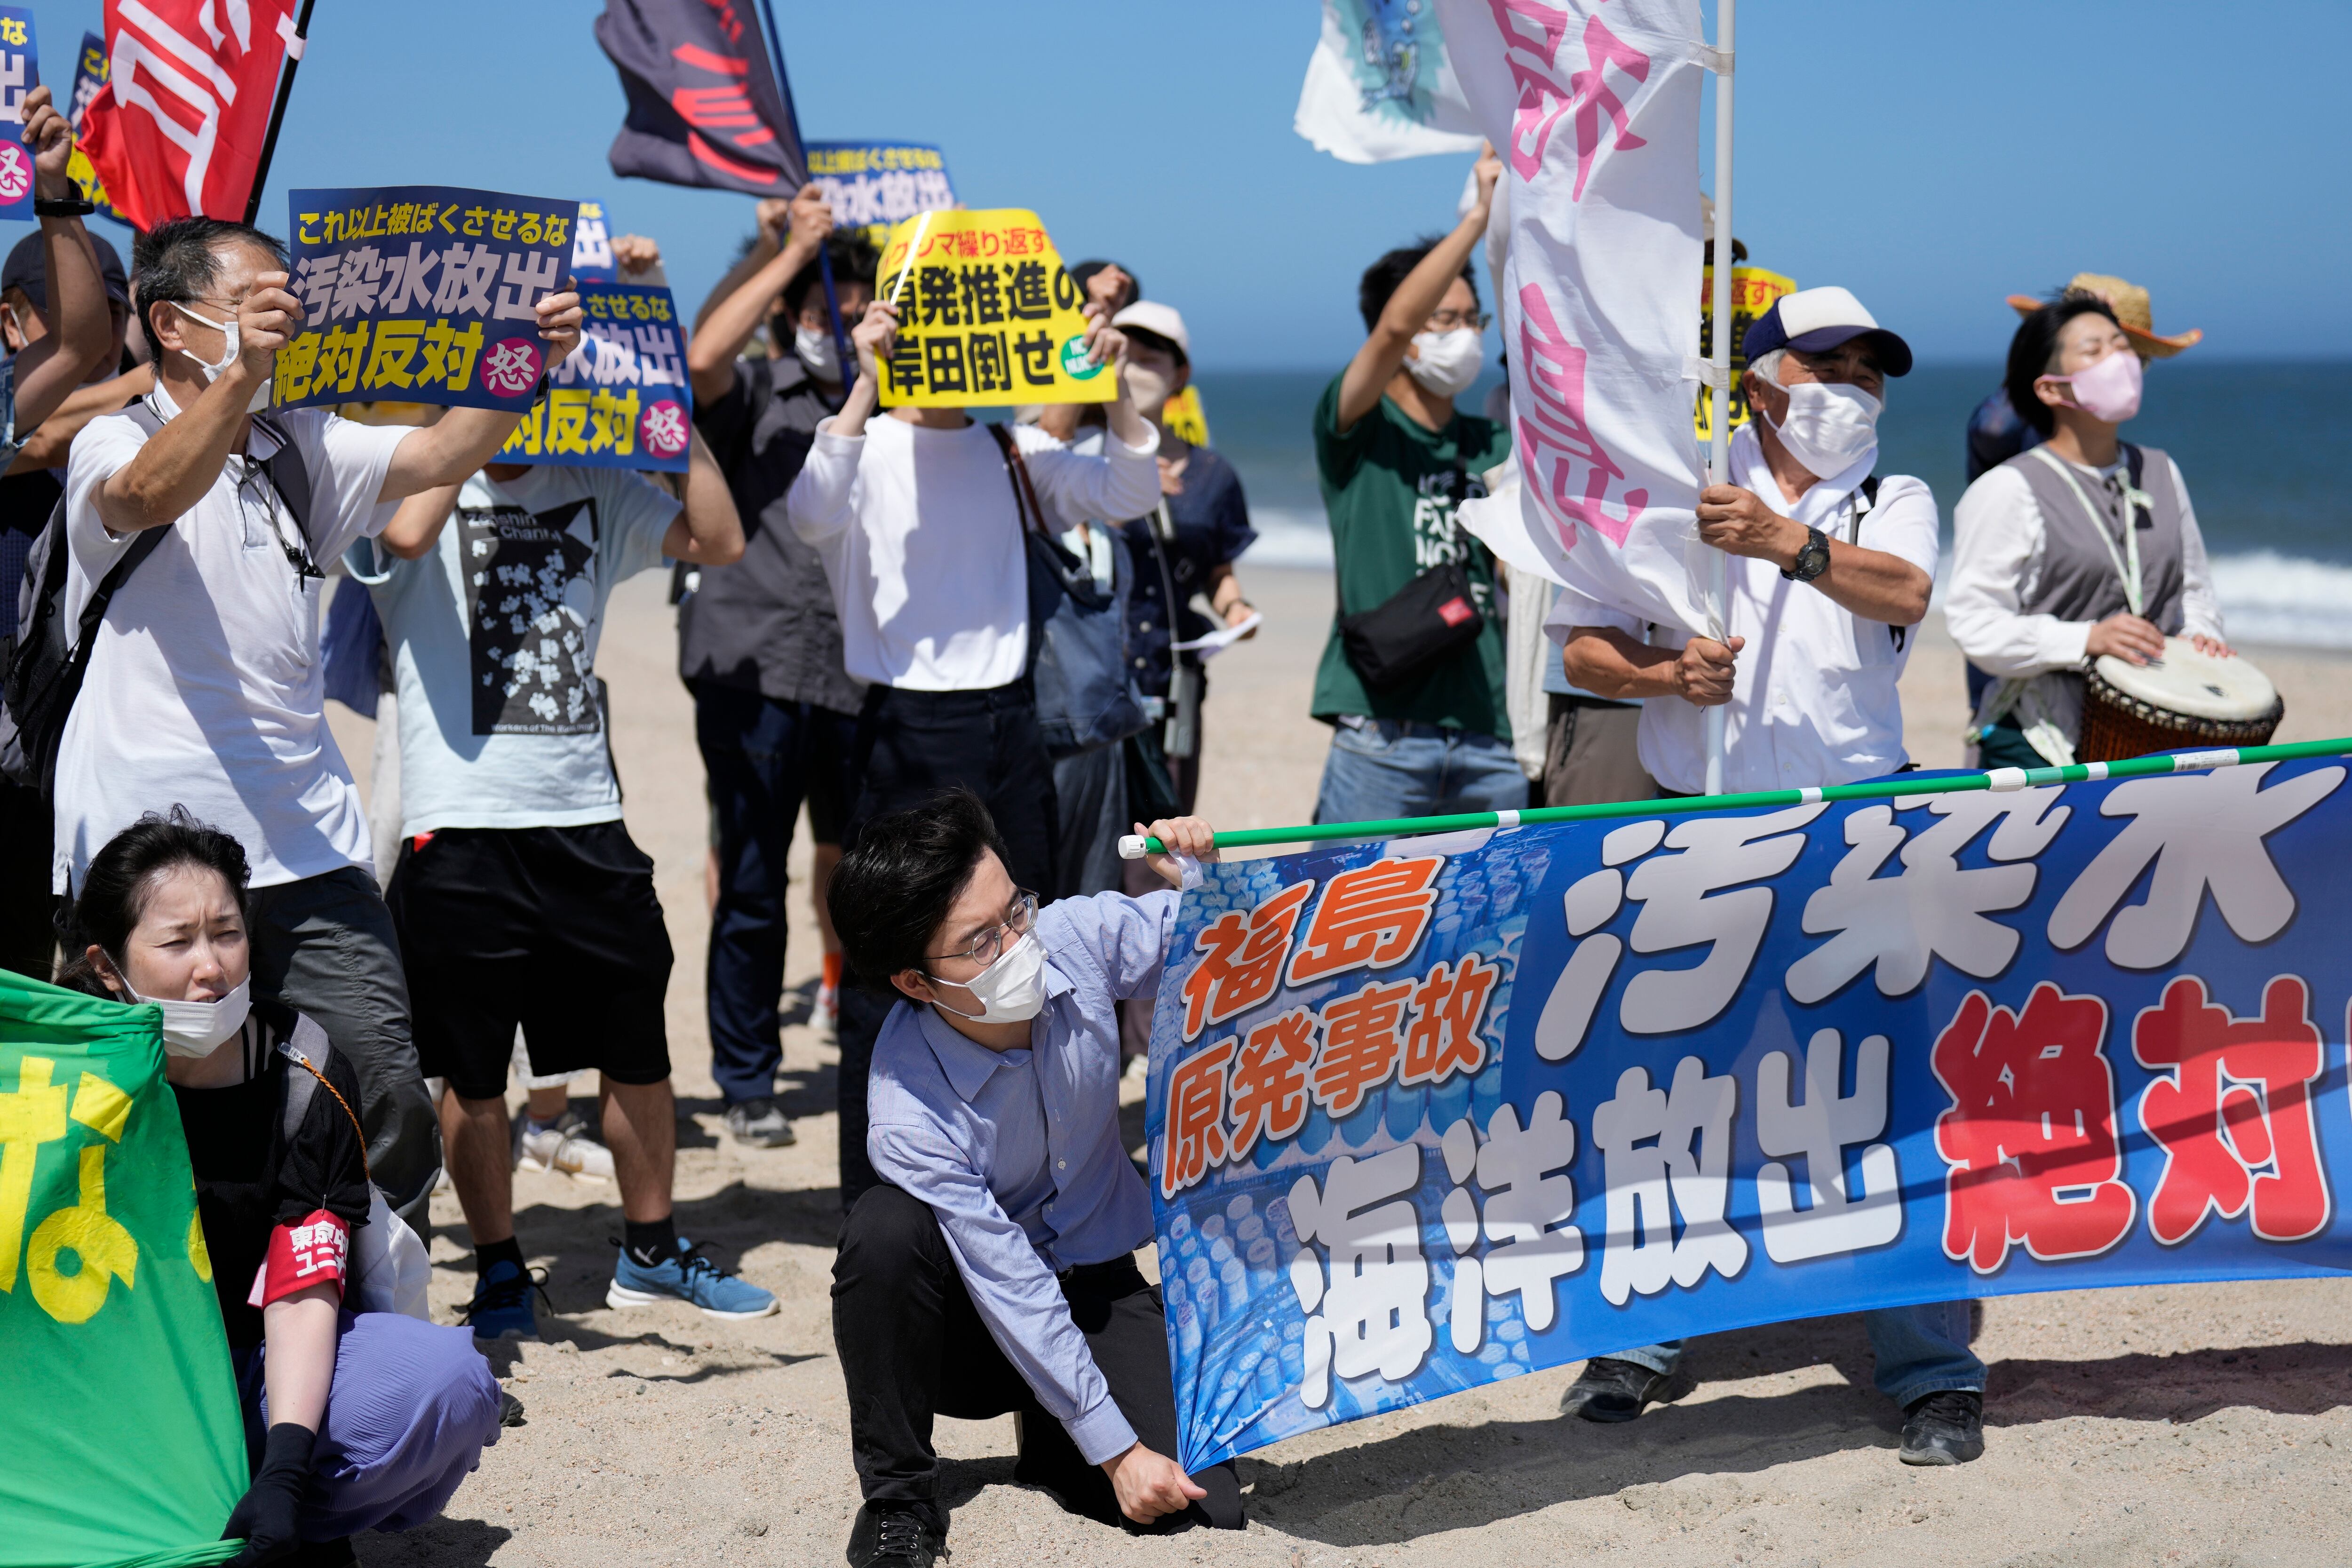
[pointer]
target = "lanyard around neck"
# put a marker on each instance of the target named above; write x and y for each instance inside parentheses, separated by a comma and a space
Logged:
(2127, 560)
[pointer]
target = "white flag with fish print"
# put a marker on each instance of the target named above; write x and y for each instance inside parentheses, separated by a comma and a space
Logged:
(1593, 106)
(1377, 86)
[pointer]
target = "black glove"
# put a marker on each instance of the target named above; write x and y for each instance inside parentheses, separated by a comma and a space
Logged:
(269, 1516)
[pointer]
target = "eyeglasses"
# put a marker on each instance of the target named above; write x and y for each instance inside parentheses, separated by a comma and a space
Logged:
(1451, 320)
(990, 945)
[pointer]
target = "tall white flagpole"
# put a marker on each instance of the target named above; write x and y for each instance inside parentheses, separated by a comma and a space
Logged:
(1719, 458)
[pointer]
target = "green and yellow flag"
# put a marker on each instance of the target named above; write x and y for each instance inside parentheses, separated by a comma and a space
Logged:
(120, 1437)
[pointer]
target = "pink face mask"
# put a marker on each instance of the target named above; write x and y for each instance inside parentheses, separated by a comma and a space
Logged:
(2108, 390)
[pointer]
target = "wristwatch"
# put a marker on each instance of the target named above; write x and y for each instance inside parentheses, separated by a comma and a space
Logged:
(1813, 559)
(63, 206)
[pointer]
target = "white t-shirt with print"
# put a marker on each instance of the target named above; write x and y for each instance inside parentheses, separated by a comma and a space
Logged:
(493, 635)
(204, 682)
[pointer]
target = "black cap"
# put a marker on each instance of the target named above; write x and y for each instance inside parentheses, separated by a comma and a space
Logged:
(24, 270)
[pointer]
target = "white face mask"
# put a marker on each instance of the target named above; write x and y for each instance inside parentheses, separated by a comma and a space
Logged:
(1010, 991)
(818, 352)
(1148, 390)
(213, 368)
(197, 1028)
(1447, 363)
(1829, 427)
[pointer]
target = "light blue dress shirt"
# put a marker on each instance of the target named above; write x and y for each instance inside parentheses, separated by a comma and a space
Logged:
(1018, 1151)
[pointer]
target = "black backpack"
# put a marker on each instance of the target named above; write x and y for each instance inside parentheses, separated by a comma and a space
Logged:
(46, 670)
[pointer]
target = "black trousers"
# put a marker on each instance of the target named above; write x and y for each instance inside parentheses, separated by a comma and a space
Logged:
(28, 938)
(911, 745)
(913, 1346)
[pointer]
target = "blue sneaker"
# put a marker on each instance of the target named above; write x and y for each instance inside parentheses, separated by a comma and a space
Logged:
(501, 1305)
(690, 1278)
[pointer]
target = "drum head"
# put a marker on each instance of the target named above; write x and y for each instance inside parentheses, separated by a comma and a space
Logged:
(2194, 684)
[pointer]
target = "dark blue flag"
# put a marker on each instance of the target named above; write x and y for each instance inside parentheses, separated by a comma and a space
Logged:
(705, 106)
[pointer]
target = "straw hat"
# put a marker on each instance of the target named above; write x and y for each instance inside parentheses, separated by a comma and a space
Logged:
(2129, 302)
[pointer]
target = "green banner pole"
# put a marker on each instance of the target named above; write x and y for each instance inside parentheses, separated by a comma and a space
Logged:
(1134, 845)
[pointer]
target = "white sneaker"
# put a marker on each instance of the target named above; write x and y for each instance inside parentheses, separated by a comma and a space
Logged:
(565, 1146)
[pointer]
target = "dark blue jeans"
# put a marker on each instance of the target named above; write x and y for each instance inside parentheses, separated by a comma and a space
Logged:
(762, 757)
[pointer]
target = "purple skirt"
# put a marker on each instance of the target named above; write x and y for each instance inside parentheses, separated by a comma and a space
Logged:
(412, 1406)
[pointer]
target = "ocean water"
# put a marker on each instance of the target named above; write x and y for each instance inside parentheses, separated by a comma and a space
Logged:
(2257, 443)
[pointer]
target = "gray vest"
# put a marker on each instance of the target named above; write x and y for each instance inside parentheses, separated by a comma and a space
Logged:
(2078, 580)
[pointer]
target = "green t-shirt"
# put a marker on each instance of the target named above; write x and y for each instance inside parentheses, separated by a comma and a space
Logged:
(1390, 488)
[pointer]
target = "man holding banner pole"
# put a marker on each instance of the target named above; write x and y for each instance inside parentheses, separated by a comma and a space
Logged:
(1806, 682)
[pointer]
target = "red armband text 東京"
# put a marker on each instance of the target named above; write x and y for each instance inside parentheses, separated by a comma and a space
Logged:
(309, 1252)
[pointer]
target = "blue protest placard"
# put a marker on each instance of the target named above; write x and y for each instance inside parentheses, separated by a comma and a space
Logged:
(420, 294)
(20, 73)
(874, 186)
(1428, 1114)
(622, 399)
(591, 245)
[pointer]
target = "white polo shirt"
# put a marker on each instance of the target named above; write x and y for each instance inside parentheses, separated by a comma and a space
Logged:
(921, 541)
(1813, 694)
(205, 685)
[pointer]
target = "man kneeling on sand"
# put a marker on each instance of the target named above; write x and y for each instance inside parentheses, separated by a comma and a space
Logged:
(993, 1270)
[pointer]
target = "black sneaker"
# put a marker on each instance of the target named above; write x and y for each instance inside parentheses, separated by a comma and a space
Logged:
(1943, 1428)
(1612, 1390)
(501, 1305)
(896, 1535)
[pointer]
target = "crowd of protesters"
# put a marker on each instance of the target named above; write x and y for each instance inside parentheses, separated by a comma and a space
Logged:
(860, 637)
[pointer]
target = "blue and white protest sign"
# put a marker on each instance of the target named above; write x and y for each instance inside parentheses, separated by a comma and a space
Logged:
(1436, 1112)
(20, 73)
(622, 399)
(420, 294)
(591, 245)
(874, 186)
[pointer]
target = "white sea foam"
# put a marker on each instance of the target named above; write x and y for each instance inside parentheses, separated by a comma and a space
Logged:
(2267, 598)
(1289, 537)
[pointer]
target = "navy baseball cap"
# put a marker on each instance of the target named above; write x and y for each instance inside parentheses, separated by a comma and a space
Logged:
(24, 270)
(1811, 321)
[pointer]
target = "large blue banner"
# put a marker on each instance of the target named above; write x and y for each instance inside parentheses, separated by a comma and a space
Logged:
(20, 73)
(876, 185)
(1431, 1113)
(622, 398)
(420, 294)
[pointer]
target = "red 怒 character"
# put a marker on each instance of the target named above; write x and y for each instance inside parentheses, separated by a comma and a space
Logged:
(1362, 1041)
(1373, 916)
(1244, 959)
(2033, 1116)
(1269, 1081)
(2237, 1101)
(1443, 1039)
(1196, 1118)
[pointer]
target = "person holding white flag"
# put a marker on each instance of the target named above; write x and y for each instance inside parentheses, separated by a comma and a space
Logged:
(1831, 569)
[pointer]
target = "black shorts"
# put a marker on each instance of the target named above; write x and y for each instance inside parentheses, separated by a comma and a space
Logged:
(556, 930)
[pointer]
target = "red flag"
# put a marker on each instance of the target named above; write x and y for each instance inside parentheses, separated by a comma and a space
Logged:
(178, 128)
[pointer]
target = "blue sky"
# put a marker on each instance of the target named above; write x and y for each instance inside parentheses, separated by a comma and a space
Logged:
(1931, 157)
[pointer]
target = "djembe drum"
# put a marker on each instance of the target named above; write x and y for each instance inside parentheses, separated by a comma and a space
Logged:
(2185, 699)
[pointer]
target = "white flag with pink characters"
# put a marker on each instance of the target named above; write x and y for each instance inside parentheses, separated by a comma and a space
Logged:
(1593, 105)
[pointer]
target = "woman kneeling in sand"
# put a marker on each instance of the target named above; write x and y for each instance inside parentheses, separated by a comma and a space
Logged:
(353, 1421)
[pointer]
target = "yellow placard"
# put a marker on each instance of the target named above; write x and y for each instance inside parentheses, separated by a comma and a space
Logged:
(1185, 419)
(1753, 289)
(988, 316)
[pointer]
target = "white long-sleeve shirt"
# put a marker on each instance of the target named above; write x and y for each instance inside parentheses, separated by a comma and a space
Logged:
(1998, 534)
(920, 537)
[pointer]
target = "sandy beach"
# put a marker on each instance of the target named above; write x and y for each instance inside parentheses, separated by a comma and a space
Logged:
(2194, 1424)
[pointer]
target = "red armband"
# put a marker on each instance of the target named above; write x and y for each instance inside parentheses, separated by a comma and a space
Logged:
(302, 1254)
